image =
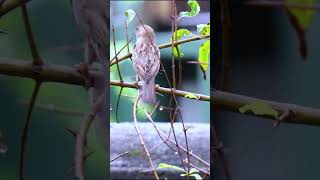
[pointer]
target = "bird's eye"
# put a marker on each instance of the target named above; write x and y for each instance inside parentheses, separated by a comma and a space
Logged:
(137, 28)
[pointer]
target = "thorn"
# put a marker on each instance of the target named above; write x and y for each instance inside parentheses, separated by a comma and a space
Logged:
(83, 69)
(72, 132)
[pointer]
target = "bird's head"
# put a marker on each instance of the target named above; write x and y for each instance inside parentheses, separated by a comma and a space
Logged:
(145, 32)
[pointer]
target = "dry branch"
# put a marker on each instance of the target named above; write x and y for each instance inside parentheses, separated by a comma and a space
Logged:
(221, 100)
(283, 4)
(80, 144)
(196, 38)
(232, 102)
(9, 5)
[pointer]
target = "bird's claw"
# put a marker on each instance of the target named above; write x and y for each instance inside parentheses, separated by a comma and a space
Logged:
(136, 84)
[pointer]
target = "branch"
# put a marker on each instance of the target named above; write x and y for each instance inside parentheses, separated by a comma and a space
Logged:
(221, 100)
(162, 46)
(162, 90)
(34, 51)
(282, 4)
(9, 5)
(140, 136)
(80, 144)
(232, 102)
(25, 130)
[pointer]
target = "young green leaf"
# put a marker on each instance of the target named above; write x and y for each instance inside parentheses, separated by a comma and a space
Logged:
(168, 166)
(194, 9)
(304, 16)
(259, 108)
(300, 20)
(193, 170)
(178, 35)
(203, 29)
(197, 176)
(191, 96)
(130, 15)
(204, 53)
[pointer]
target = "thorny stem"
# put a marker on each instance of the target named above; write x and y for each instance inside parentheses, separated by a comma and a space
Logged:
(24, 137)
(35, 54)
(168, 80)
(162, 46)
(118, 156)
(80, 144)
(178, 107)
(140, 136)
(8, 6)
(167, 139)
(283, 4)
(119, 72)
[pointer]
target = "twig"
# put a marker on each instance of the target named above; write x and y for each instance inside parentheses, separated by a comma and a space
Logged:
(119, 73)
(174, 97)
(196, 167)
(11, 5)
(118, 156)
(34, 52)
(166, 45)
(1, 2)
(140, 137)
(283, 4)
(222, 100)
(127, 44)
(24, 137)
(220, 152)
(161, 134)
(80, 144)
(3, 144)
(127, 38)
(226, 33)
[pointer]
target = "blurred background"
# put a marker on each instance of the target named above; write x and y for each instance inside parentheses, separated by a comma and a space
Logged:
(50, 148)
(266, 63)
(157, 15)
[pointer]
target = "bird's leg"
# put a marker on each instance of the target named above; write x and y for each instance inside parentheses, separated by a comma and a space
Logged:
(136, 82)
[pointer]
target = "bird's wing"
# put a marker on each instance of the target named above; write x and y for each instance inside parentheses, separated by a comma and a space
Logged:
(146, 61)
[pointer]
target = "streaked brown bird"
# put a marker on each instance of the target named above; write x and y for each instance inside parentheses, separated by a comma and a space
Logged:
(92, 18)
(146, 62)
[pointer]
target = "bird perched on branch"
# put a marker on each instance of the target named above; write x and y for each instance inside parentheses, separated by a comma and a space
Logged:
(92, 18)
(146, 62)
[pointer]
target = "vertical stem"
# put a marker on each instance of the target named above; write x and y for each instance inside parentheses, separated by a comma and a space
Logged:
(226, 33)
(35, 54)
(24, 137)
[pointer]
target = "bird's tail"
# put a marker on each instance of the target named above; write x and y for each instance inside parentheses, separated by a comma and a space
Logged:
(148, 94)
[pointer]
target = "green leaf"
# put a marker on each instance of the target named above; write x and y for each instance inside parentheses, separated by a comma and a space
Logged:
(197, 176)
(204, 53)
(178, 35)
(203, 29)
(259, 108)
(194, 9)
(304, 16)
(193, 170)
(130, 15)
(191, 96)
(168, 166)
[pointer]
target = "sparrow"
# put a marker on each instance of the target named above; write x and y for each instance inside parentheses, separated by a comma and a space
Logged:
(146, 62)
